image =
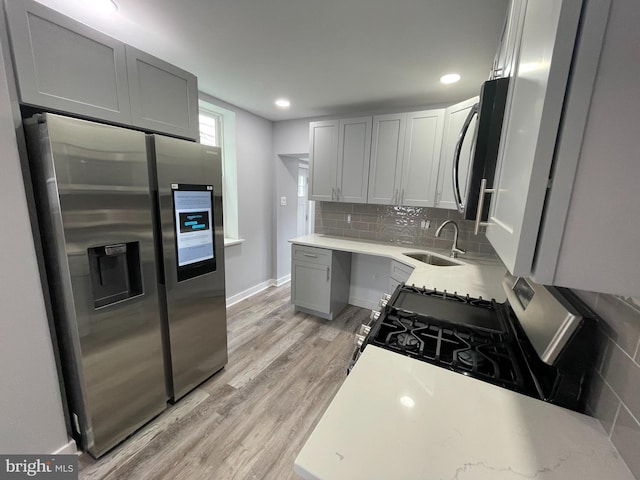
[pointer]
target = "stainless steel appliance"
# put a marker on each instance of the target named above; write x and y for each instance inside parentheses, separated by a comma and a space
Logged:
(94, 187)
(490, 111)
(187, 182)
(533, 344)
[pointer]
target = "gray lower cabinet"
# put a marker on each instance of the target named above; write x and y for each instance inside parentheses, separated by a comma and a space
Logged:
(65, 66)
(400, 273)
(320, 280)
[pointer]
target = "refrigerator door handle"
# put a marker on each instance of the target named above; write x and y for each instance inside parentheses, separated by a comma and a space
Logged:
(456, 157)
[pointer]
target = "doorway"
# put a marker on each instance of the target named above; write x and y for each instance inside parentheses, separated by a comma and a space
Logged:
(305, 214)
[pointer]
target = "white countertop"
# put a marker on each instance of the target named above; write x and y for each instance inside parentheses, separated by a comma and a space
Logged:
(478, 275)
(395, 418)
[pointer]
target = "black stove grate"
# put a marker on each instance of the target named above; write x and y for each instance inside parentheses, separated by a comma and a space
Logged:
(482, 354)
(455, 296)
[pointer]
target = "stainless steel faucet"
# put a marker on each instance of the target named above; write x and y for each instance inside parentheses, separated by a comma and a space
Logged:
(455, 250)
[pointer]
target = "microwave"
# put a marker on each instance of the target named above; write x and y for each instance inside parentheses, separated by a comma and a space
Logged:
(484, 156)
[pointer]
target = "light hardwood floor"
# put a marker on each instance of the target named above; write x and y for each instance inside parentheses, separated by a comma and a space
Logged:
(250, 420)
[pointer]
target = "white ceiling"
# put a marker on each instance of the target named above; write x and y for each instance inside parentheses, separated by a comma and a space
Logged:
(327, 56)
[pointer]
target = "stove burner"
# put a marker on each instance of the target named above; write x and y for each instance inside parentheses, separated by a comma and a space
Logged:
(471, 358)
(407, 341)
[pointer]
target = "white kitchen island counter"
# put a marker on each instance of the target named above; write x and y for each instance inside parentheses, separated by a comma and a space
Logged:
(478, 275)
(395, 418)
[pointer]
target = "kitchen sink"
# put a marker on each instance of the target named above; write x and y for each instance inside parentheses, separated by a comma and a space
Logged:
(432, 259)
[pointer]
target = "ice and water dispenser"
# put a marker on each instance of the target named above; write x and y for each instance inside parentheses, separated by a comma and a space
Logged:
(115, 272)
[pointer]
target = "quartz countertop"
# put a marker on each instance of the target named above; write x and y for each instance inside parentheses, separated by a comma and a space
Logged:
(479, 275)
(398, 418)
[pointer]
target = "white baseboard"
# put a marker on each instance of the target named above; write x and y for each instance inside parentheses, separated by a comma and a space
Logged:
(250, 292)
(69, 449)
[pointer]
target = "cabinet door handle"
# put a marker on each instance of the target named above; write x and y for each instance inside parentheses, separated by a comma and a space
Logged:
(483, 190)
(333, 193)
(310, 255)
(338, 194)
(328, 276)
(456, 157)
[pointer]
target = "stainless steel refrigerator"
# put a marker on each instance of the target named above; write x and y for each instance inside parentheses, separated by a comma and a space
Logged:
(187, 183)
(137, 292)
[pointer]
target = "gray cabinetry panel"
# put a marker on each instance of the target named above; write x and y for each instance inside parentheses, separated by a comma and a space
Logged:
(64, 65)
(323, 160)
(164, 98)
(354, 152)
(400, 273)
(312, 286)
(320, 280)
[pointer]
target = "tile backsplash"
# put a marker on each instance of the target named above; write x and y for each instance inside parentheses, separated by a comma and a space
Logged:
(614, 394)
(398, 225)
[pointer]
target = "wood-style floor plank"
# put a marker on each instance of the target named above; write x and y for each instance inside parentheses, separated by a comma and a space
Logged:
(250, 420)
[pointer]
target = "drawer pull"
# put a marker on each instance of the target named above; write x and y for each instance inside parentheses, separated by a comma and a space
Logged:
(328, 277)
(310, 255)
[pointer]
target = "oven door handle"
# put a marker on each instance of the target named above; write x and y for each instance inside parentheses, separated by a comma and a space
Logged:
(456, 157)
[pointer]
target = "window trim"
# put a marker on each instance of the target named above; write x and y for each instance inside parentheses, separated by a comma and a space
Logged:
(230, 179)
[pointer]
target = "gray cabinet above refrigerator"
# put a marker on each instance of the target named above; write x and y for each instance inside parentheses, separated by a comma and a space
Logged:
(66, 66)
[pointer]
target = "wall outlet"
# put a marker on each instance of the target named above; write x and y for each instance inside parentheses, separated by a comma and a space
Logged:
(283, 201)
(424, 224)
(348, 218)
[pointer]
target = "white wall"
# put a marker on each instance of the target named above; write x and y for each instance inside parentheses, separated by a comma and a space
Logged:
(31, 415)
(250, 265)
(291, 136)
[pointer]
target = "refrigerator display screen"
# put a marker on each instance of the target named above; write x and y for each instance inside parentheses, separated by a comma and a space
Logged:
(194, 229)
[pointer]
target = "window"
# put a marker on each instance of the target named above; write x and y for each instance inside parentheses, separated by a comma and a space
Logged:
(218, 129)
(210, 128)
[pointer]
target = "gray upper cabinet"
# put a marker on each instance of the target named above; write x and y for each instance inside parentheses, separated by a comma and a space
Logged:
(323, 160)
(354, 152)
(423, 141)
(386, 158)
(164, 98)
(405, 157)
(339, 154)
(66, 66)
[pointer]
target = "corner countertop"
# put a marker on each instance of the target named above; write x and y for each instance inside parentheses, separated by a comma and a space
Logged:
(397, 418)
(478, 275)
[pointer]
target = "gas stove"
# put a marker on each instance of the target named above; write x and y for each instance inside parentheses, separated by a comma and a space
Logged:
(487, 341)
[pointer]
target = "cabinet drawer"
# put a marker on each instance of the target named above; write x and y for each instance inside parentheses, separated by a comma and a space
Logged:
(400, 271)
(321, 256)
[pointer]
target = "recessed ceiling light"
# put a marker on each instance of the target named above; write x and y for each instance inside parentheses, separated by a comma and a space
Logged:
(283, 103)
(450, 78)
(407, 401)
(104, 6)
